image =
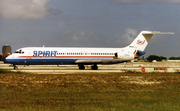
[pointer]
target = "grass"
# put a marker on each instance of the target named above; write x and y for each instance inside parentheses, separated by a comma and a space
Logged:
(90, 92)
(5, 71)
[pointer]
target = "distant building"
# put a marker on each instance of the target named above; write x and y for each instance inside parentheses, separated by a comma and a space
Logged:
(6, 50)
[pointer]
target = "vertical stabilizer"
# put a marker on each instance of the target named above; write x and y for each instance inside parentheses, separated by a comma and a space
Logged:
(143, 39)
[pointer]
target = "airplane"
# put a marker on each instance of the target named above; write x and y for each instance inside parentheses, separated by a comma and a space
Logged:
(81, 56)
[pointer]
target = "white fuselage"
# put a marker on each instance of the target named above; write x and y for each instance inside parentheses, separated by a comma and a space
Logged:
(66, 55)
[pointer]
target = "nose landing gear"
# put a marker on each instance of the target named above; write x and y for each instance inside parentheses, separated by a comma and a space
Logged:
(15, 67)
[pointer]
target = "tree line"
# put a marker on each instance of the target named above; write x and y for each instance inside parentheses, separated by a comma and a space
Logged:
(2, 58)
(150, 58)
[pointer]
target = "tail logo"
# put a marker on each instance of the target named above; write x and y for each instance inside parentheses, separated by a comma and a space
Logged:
(139, 42)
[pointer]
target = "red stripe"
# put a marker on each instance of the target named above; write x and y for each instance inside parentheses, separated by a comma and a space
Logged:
(134, 52)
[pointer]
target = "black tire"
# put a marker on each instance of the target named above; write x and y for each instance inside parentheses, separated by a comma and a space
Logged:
(15, 68)
(81, 67)
(95, 67)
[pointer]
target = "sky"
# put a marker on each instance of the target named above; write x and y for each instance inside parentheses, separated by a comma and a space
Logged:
(90, 23)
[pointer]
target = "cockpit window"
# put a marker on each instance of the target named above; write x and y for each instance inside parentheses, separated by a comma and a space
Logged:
(19, 52)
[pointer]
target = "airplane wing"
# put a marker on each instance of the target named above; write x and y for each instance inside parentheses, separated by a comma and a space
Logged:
(101, 61)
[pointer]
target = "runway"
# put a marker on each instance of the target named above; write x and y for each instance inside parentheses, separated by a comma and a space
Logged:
(117, 68)
(54, 69)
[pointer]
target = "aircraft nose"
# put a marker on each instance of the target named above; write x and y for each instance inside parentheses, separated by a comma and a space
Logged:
(7, 60)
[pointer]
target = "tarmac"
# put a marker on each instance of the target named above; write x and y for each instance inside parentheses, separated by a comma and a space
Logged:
(166, 67)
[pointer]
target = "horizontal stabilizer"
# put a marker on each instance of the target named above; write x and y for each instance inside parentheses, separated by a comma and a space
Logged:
(156, 32)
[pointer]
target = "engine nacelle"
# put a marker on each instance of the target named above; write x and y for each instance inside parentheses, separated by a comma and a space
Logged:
(123, 56)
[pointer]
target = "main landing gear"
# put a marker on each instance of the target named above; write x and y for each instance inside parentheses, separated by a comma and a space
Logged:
(82, 67)
(94, 67)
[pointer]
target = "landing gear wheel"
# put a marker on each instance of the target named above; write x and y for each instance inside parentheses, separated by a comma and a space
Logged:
(15, 67)
(95, 67)
(81, 67)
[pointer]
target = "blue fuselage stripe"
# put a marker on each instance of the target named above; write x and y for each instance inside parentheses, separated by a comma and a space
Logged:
(44, 61)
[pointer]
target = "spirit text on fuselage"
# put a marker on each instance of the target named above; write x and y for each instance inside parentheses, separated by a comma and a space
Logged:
(44, 53)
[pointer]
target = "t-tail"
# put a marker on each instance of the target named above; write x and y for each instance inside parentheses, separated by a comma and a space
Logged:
(142, 40)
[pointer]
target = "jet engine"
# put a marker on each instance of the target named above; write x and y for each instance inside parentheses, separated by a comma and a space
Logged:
(123, 56)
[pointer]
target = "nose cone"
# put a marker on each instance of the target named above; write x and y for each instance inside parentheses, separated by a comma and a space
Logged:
(7, 59)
